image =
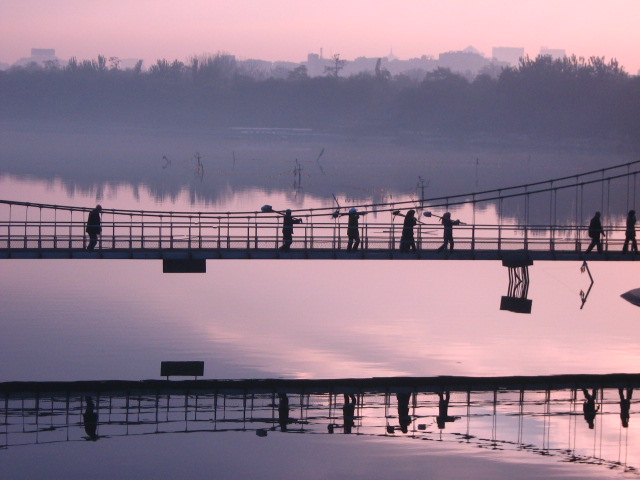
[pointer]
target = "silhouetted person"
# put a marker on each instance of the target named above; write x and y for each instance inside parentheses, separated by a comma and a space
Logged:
(407, 241)
(403, 411)
(283, 411)
(595, 232)
(448, 231)
(353, 229)
(90, 419)
(94, 227)
(287, 230)
(443, 410)
(589, 406)
(630, 233)
(625, 406)
(349, 411)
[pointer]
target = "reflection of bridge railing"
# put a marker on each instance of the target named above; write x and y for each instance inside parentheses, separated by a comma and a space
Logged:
(61, 229)
(498, 414)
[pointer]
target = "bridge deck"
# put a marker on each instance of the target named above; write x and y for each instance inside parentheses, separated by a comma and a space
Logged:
(311, 254)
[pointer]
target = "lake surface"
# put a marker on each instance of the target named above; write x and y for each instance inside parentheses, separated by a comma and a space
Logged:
(118, 319)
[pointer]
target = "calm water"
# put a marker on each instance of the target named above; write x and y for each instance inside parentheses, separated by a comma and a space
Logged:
(98, 319)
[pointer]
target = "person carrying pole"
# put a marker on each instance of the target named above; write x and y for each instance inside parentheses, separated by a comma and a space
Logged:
(94, 227)
(595, 231)
(287, 230)
(630, 233)
(448, 231)
(353, 229)
(407, 241)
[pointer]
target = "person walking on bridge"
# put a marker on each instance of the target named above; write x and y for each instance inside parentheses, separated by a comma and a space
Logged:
(353, 229)
(94, 227)
(448, 224)
(630, 233)
(407, 241)
(595, 232)
(287, 230)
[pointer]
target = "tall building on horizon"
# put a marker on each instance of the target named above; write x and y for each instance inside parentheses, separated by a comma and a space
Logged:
(510, 55)
(552, 52)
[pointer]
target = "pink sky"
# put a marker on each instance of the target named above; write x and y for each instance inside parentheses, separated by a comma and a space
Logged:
(286, 30)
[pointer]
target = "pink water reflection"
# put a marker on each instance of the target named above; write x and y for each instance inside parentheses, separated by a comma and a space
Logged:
(310, 319)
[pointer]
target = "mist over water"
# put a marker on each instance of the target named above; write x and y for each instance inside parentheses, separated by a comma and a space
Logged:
(160, 170)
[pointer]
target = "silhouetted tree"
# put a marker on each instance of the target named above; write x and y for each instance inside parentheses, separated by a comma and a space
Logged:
(334, 70)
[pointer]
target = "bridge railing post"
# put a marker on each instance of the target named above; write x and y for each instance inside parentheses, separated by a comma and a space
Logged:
(473, 237)
(130, 231)
(71, 231)
(248, 242)
(55, 228)
(40, 228)
(366, 235)
(255, 231)
(219, 241)
(26, 215)
(499, 237)
(312, 230)
(576, 235)
(171, 230)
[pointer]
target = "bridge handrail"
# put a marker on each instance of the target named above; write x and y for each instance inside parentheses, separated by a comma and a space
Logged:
(441, 201)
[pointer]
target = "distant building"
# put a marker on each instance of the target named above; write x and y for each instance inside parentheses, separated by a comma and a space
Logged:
(468, 60)
(552, 52)
(316, 64)
(41, 57)
(509, 55)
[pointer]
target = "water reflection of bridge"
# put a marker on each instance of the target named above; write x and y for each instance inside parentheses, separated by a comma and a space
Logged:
(551, 226)
(542, 415)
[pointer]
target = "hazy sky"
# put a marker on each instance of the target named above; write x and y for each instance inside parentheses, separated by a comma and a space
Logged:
(289, 30)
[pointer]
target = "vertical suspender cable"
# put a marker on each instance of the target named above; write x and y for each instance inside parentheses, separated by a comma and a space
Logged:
(602, 192)
(628, 185)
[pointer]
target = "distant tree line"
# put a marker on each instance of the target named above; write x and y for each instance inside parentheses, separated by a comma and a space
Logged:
(568, 98)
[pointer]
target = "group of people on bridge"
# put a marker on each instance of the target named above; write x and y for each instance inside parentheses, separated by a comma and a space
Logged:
(596, 232)
(407, 239)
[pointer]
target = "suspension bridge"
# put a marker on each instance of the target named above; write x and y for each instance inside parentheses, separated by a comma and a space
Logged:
(545, 220)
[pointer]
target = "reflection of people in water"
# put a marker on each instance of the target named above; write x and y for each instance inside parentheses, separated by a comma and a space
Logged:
(443, 410)
(283, 411)
(348, 414)
(349, 411)
(403, 411)
(90, 418)
(589, 406)
(625, 406)
(407, 241)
